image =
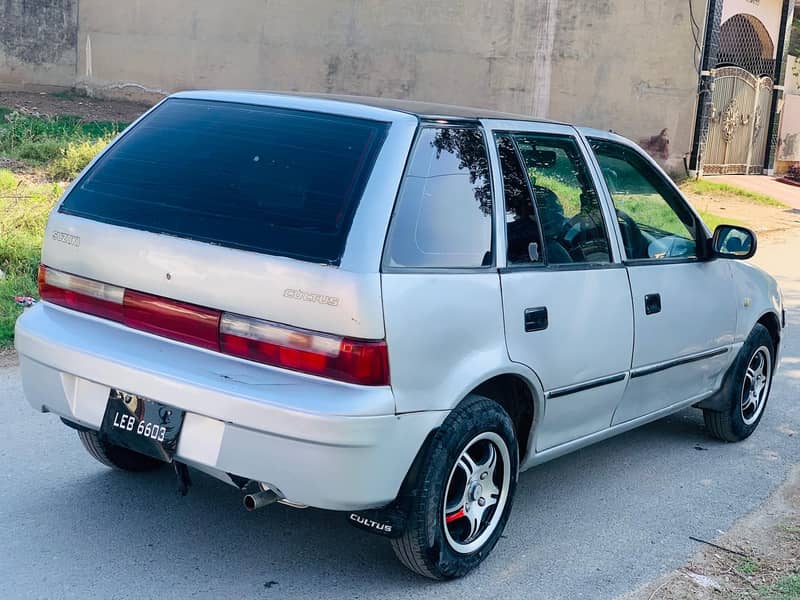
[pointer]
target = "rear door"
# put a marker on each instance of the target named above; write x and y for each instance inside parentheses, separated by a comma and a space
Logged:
(566, 299)
(684, 306)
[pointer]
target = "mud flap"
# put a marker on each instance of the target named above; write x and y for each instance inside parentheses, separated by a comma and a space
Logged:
(389, 521)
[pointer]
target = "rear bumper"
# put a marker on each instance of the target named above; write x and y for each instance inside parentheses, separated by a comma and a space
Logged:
(320, 443)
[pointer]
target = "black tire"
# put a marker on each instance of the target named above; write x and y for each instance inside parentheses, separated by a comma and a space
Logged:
(425, 547)
(115, 456)
(734, 423)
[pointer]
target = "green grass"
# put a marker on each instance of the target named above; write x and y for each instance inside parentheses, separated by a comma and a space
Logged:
(56, 149)
(748, 566)
(712, 221)
(42, 141)
(23, 213)
(72, 159)
(711, 188)
(788, 588)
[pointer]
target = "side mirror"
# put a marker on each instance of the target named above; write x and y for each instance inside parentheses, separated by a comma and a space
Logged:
(730, 241)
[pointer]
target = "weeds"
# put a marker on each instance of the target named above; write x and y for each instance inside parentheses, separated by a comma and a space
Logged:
(73, 159)
(57, 148)
(24, 208)
(39, 140)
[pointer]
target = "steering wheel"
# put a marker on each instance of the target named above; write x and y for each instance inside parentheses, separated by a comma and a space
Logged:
(632, 237)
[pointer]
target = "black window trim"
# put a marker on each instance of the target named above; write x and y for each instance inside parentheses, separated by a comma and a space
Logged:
(545, 264)
(701, 238)
(449, 123)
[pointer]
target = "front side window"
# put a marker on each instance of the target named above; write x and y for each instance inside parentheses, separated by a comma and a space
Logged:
(565, 224)
(443, 215)
(654, 221)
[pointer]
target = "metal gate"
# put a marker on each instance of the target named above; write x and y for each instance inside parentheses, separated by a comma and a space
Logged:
(737, 133)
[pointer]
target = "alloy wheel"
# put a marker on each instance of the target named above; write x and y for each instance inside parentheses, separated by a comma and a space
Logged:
(477, 492)
(756, 385)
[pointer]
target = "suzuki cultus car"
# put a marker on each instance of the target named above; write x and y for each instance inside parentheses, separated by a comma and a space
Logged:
(385, 308)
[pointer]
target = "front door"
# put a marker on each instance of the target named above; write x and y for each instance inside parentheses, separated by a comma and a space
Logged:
(684, 307)
(566, 298)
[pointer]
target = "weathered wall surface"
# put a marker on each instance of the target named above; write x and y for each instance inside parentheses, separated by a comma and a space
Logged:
(629, 66)
(38, 41)
(464, 51)
(607, 63)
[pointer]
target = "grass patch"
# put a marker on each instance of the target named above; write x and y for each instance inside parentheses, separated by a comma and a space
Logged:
(57, 148)
(748, 566)
(39, 141)
(788, 588)
(23, 214)
(710, 188)
(712, 220)
(73, 159)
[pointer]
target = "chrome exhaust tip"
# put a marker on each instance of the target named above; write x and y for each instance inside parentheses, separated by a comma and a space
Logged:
(260, 499)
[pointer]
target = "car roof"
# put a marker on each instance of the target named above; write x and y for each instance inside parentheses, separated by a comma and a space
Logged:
(423, 110)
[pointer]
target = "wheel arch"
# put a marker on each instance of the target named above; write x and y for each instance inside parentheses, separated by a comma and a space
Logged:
(772, 323)
(521, 396)
(521, 399)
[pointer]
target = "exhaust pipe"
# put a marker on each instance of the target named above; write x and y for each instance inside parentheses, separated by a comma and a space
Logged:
(260, 499)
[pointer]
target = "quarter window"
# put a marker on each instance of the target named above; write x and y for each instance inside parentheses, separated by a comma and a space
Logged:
(565, 224)
(654, 221)
(443, 216)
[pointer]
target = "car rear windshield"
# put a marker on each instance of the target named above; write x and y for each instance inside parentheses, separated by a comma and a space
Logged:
(271, 180)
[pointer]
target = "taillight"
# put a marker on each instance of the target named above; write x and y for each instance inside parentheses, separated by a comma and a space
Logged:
(180, 321)
(353, 361)
(81, 294)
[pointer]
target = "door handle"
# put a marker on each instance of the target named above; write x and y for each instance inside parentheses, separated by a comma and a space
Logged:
(536, 319)
(652, 304)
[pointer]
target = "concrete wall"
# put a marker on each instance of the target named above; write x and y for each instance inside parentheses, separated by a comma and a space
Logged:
(38, 41)
(612, 64)
(629, 66)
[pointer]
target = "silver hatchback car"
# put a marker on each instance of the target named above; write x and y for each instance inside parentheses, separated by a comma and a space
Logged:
(385, 308)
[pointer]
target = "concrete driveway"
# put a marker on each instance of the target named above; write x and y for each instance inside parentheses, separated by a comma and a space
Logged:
(593, 524)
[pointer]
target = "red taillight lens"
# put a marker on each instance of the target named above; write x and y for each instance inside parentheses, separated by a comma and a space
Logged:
(168, 318)
(354, 361)
(81, 294)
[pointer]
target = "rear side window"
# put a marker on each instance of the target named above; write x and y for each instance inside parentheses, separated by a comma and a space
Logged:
(258, 178)
(443, 216)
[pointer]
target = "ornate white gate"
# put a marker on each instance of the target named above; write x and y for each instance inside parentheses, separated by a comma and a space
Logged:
(737, 134)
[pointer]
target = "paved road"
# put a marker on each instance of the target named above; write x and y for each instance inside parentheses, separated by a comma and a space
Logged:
(591, 525)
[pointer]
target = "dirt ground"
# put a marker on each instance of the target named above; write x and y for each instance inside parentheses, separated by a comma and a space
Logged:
(8, 358)
(88, 109)
(763, 219)
(760, 549)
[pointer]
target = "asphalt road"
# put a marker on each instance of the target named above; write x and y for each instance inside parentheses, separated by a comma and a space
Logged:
(594, 524)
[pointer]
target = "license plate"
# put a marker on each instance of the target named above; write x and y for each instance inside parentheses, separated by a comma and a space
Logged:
(142, 425)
